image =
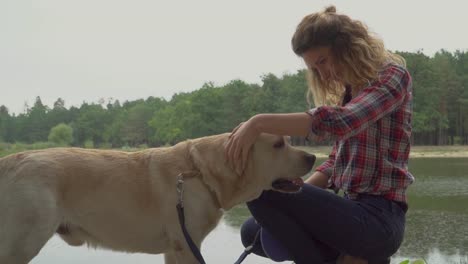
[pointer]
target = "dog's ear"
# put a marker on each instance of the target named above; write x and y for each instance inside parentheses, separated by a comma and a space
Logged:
(208, 156)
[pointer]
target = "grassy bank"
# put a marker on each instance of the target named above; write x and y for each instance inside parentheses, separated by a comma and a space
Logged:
(322, 151)
(416, 151)
(8, 148)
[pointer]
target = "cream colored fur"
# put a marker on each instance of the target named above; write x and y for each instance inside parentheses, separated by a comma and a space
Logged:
(126, 201)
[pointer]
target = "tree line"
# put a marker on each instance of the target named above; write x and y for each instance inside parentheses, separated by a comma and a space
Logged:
(440, 84)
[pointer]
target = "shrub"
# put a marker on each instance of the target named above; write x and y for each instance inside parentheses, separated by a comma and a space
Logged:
(61, 134)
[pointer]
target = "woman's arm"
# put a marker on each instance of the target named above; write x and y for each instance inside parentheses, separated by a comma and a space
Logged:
(318, 179)
(382, 97)
(293, 124)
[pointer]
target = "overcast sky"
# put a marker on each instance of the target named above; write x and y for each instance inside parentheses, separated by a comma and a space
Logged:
(83, 50)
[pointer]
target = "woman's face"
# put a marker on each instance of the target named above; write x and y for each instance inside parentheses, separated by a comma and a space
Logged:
(320, 61)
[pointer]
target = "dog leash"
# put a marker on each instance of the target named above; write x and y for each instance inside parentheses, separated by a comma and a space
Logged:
(248, 249)
(195, 250)
(180, 211)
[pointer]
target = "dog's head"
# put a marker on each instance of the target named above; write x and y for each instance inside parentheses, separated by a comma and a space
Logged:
(272, 164)
(284, 164)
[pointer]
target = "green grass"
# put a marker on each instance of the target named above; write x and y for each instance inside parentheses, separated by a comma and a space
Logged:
(12, 148)
(416, 151)
(320, 151)
(422, 261)
(418, 261)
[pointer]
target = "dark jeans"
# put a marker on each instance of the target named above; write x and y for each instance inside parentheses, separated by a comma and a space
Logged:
(316, 226)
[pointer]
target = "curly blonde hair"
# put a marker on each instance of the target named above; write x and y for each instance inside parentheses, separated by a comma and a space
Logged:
(359, 54)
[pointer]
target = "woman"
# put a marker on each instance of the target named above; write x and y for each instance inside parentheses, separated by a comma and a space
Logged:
(363, 96)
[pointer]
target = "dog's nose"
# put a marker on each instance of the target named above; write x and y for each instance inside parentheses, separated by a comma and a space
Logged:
(310, 159)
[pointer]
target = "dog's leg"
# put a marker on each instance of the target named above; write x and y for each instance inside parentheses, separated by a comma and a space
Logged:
(14, 259)
(169, 258)
(185, 257)
(180, 253)
(29, 220)
(21, 246)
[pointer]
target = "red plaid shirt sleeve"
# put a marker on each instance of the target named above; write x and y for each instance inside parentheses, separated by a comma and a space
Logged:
(374, 102)
(372, 134)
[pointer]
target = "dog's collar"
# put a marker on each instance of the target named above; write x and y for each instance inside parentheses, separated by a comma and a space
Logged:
(180, 184)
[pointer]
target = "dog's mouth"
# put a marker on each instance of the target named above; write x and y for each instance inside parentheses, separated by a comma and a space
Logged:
(288, 186)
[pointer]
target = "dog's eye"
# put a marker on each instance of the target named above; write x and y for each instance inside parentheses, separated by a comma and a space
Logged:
(279, 144)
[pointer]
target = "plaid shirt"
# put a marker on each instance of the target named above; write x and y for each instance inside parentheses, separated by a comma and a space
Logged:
(372, 133)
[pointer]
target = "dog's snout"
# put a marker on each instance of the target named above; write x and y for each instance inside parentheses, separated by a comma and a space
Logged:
(310, 159)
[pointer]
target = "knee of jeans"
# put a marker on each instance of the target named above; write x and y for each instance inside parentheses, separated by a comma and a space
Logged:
(257, 203)
(263, 201)
(248, 231)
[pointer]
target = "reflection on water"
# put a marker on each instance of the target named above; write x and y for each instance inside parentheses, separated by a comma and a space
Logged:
(221, 246)
(437, 220)
(436, 230)
(428, 230)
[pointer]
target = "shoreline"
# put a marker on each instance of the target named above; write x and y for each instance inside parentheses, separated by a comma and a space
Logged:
(416, 151)
(457, 151)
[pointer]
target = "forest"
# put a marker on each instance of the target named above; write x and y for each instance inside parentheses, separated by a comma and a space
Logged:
(440, 89)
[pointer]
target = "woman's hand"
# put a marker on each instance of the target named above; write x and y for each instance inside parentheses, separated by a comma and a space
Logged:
(239, 144)
(244, 135)
(318, 179)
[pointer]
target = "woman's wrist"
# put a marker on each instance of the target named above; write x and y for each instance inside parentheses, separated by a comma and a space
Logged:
(318, 179)
(256, 123)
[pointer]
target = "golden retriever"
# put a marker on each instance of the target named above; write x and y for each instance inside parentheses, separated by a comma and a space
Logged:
(126, 201)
